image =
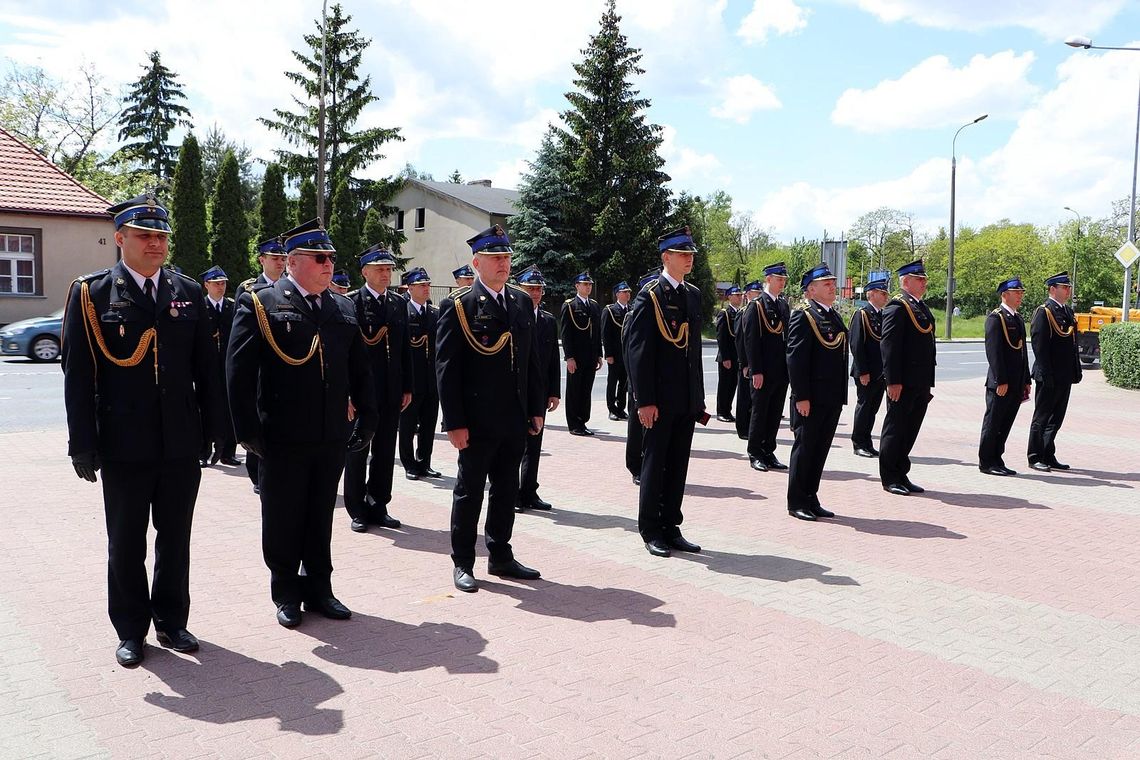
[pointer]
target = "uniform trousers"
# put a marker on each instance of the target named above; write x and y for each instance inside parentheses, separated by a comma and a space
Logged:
(298, 495)
(493, 455)
(134, 494)
(633, 439)
(528, 480)
(1050, 402)
(251, 467)
(379, 470)
(869, 398)
(664, 468)
(1001, 411)
(579, 385)
(616, 382)
(743, 404)
(417, 430)
(813, 437)
(900, 430)
(725, 389)
(764, 422)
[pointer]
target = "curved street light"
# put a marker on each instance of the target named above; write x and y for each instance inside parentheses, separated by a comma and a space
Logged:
(1076, 250)
(950, 258)
(1085, 43)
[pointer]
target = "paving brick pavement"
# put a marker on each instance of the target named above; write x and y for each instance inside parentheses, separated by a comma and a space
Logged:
(989, 618)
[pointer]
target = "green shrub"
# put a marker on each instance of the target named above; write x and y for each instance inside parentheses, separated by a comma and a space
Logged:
(1120, 354)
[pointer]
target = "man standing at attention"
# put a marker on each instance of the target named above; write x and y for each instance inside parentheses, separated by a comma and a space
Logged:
(613, 317)
(219, 313)
(138, 376)
(383, 319)
(867, 366)
(1007, 381)
(546, 349)
(817, 369)
(417, 421)
(296, 359)
(908, 364)
(582, 345)
(726, 363)
(663, 347)
(491, 394)
(765, 323)
(1056, 368)
(743, 374)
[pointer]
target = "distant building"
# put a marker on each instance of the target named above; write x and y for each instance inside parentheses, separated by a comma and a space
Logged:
(438, 217)
(52, 229)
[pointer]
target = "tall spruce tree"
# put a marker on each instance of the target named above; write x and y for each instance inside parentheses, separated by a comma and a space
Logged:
(307, 203)
(344, 222)
(346, 97)
(273, 212)
(688, 211)
(538, 231)
(154, 111)
(229, 227)
(618, 203)
(189, 241)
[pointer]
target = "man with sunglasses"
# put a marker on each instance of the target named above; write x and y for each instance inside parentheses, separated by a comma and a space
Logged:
(296, 360)
(383, 319)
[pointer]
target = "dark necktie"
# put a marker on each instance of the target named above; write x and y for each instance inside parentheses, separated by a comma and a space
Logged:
(218, 307)
(148, 288)
(502, 301)
(314, 302)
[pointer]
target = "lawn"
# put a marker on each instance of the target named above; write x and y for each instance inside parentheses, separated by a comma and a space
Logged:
(964, 327)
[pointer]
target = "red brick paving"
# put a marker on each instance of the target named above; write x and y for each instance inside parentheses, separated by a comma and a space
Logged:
(988, 618)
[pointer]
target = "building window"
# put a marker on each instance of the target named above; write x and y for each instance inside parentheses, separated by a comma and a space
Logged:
(420, 214)
(20, 262)
(399, 221)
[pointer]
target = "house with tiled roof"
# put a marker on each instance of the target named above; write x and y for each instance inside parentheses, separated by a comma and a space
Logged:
(437, 217)
(52, 230)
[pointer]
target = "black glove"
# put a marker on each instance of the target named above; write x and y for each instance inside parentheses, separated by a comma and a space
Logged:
(360, 439)
(254, 445)
(86, 465)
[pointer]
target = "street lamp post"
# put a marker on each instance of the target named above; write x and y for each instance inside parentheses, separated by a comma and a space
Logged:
(1076, 250)
(1086, 44)
(950, 258)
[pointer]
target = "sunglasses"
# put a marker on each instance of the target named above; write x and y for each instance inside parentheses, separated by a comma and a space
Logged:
(320, 258)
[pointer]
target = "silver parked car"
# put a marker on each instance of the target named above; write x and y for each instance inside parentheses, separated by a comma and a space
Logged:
(38, 338)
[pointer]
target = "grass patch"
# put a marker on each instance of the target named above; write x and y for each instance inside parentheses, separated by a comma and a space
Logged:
(964, 327)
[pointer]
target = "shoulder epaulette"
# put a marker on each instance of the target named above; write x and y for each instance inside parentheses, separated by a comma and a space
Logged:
(92, 275)
(352, 293)
(568, 300)
(246, 284)
(455, 294)
(183, 276)
(518, 288)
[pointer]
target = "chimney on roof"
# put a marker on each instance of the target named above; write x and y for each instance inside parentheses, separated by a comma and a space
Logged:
(480, 182)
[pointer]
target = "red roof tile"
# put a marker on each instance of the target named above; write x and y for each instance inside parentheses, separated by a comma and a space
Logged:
(29, 183)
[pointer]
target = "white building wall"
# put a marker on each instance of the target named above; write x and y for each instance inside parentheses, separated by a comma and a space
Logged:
(440, 246)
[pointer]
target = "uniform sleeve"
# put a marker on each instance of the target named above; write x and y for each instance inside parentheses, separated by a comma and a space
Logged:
(799, 355)
(641, 349)
(610, 334)
(79, 380)
(753, 338)
(243, 365)
(553, 368)
(596, 335)
(207, 374)
(407, 381)
(361, 388)
(995, 355)
(567, 332)
(449, 365)
(892, 343)
(858, 335)
(535, 385)
(1039, 332)
(1078, 371)
(724, 344)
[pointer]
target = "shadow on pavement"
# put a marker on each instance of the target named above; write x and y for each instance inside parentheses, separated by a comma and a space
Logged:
(584, 519)
(766, 566)
(717, 454)
(587, 604)
(941, 460)
(1103, 475)
(723, 492)
(1065, 478)
(896, 528)
(221, 686)
(981, 500)
(844, 475)
(373, 643)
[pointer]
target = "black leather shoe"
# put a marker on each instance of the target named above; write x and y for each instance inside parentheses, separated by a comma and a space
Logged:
(358, 525)
(802, 513)
(386, 521)
(862, 452)
(520, 508)
(430, 473)
(513, 569)
(216, 458)
(757, 464)
(726, 418)
(203, 463)
(680, 544)
(775, 464)
(1008, 471)
(1041, 467)
(623, 416)
(1058, 466)
(1001, 472)
(330, 607)
(257, 490)
(130, 652)
(579, 431)
(913, 488)
(614, 417)
(821, 512)
(231, 461)
(411, 475)
(180, 641)
(538, 503)
(289, 614)
(658, 548)
(464, 580)
(637, 480)
(898, 489)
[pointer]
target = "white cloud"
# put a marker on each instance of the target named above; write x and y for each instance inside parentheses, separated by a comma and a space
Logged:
(685, 165)
(742, 96)
(935, 94)
(780, 16)
(1053, 19)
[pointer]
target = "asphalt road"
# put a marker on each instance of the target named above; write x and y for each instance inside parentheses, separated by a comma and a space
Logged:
(31, 395)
